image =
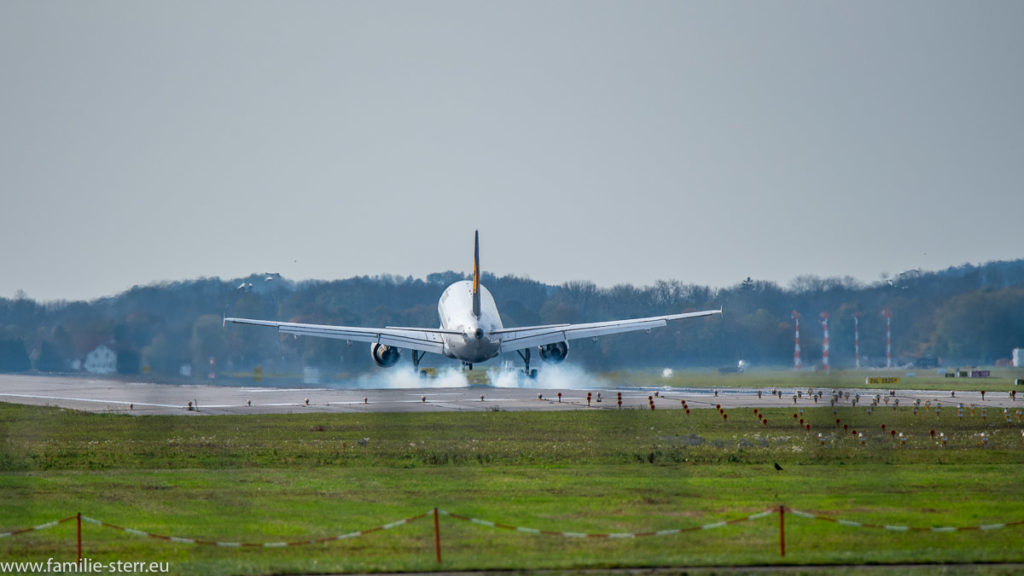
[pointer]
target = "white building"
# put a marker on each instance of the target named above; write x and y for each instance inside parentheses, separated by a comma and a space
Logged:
(102, 360)
(1018, 357)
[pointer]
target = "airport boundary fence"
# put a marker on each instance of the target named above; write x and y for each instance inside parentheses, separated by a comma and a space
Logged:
(437, 513)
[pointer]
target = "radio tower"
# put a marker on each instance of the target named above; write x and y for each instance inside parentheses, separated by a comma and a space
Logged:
(888, 337)
(796, 348)
(824, 345)
(856, 339)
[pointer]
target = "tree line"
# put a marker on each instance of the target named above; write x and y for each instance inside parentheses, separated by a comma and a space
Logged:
(962, 315)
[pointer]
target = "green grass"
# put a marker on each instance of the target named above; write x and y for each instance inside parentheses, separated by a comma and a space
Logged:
(286, 477)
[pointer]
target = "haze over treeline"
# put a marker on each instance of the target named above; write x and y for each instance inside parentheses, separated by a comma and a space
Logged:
(967, 314)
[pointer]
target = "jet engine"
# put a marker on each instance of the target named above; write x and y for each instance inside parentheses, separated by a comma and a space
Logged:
(384, 356)
(555, 352)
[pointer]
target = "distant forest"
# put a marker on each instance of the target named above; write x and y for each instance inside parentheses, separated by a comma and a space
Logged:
(962, 315)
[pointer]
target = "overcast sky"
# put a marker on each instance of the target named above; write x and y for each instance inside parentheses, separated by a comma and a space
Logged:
(618, 142)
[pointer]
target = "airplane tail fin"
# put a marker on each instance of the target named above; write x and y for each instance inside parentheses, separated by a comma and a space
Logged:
(476, 274)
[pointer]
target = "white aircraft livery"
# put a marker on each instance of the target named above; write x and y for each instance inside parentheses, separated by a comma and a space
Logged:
(471, 330)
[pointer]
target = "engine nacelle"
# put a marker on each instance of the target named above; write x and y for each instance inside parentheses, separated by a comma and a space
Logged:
(555, 352)
(384, 356)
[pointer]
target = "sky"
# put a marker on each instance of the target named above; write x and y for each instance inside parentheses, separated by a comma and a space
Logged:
(614, 142)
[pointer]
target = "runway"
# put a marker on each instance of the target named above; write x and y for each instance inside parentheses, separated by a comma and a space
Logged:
(142, 398)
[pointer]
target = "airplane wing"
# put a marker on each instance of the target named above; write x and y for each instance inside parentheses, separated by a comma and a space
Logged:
(518, 338)
(421, 339)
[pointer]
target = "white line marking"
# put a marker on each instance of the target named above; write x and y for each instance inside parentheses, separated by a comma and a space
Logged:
(73, 399)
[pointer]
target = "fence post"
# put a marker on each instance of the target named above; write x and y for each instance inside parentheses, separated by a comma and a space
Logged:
(782, 530)
(79, 518)
(437, 536)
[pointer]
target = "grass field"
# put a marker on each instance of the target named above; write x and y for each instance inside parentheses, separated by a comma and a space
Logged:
(273, 478)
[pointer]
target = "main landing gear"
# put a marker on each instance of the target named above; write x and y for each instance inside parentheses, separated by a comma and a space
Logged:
(525, 355)
(416, 357)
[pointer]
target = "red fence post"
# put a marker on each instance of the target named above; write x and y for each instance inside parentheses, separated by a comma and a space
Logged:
(437, 536)
(782, 530)
(79, 517)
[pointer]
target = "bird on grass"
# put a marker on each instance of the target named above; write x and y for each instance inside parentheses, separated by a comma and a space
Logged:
(777, 467)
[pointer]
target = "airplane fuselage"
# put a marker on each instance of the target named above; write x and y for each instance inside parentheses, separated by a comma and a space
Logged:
(471, 330)
(455, 309)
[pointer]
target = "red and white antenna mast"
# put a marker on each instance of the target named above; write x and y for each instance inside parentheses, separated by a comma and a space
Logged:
(796, 349)
(856, 339)
(888, 337)
(824, 345)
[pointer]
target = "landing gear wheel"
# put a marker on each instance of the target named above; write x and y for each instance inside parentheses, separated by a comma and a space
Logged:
(525, 355)
(416, 357)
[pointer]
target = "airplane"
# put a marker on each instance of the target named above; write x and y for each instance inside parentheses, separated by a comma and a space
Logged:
(471, 330)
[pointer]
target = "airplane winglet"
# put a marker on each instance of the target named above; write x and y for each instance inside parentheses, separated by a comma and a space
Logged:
(476, 274)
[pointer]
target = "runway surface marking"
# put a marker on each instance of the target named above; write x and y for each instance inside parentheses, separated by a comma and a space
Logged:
(71, 399)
